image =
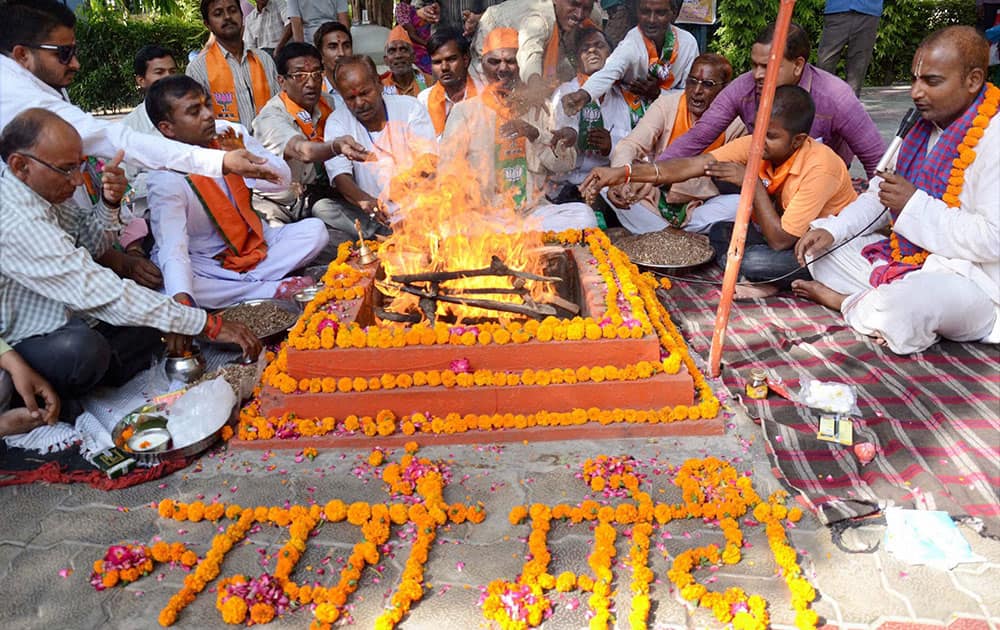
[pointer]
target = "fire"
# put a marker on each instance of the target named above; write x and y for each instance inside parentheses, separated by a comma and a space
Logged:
(447, 225)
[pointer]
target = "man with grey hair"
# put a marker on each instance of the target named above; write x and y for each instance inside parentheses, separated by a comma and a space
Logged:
(49, 280)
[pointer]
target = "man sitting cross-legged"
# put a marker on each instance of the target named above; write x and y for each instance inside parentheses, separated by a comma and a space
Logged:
(938, 274)
(49, 280)
(800, 180)
(292, 125)
(211, 246)
(694, 204)
(395, 129)
(510, 154)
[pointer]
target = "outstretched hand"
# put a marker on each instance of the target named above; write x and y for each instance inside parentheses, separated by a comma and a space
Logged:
(573, 102)
(245, 164)
(350, 149)
(599, 178)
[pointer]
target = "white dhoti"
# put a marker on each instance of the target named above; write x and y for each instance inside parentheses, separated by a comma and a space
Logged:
(564, 216)
(289, 247)
(643, 216)
(913, 312)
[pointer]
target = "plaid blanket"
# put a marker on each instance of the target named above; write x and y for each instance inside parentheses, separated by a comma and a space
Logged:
(934, 417)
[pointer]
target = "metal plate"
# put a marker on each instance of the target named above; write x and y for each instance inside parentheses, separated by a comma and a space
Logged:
(709, 254)
(149, 417)
(275, 333)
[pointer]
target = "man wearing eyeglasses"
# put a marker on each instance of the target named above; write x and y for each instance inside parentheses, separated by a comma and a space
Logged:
(292, 126)
(49, 280)
(38, 62)
(240, 80)
(654, 57)
(694, 204)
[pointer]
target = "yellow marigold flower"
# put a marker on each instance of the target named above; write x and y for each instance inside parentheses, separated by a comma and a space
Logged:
(375, 458)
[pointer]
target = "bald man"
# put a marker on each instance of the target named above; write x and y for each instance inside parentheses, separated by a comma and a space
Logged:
(938, 275)
(49, 280)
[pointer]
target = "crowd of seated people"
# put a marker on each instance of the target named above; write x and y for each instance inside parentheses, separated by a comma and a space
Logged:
(230, 179)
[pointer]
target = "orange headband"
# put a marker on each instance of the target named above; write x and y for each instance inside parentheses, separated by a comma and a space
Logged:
(498, 38)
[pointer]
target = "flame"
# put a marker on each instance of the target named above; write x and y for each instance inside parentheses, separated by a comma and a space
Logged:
(448, 225)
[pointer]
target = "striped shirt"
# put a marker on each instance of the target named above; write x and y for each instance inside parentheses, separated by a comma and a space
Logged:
(48, 273)
(240, 68)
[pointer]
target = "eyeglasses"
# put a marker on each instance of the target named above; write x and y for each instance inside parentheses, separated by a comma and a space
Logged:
(708, 84)
(64, 53)
(303, 77)
(64, 172)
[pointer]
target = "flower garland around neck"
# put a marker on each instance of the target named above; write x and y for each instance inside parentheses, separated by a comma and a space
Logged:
(966, 156)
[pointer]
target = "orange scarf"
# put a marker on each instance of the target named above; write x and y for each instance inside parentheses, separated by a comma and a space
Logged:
(437, 106)
(223, 87)
(775, 179)
(239, 225)
(654, 57)
(304, 119)
(682, 124)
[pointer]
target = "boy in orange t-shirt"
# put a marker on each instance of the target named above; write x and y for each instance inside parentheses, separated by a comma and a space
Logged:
(801, 179)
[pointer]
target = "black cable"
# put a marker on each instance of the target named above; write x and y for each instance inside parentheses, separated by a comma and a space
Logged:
(783, 276)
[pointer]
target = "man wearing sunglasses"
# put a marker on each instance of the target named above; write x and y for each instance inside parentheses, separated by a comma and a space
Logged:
(49, 280)
(38, 62)
(696, 203)
(292, 126)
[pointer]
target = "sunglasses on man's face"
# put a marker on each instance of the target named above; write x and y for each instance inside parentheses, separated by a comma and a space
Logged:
(64, 53)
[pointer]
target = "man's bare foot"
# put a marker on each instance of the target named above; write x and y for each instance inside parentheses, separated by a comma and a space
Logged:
(755, 291)
(18, 421)
(819, 293)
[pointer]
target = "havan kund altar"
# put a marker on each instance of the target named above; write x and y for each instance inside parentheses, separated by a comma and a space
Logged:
(482, 323)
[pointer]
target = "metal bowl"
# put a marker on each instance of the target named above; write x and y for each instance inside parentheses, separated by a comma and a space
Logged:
(186, 369)
(307, 295)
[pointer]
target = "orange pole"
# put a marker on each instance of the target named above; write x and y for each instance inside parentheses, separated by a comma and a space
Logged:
(735, 255)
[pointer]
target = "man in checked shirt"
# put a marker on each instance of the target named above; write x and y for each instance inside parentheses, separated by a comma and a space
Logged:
(49, 280)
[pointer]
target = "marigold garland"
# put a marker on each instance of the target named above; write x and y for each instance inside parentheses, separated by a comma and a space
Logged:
(632, 311)
(956, 179)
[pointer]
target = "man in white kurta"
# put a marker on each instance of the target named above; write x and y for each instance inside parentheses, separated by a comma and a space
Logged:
(654, 57)
(599, 126)
(641, 207)
(394, 129)
(942, 278)
(511, 156)
(190, 248)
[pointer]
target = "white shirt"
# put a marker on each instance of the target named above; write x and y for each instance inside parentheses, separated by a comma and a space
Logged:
(21, 90)
(408, 133)
(138, 120)
(263, 29)
(617, 120)
(448, 103)
(182, 228)
(629, 61)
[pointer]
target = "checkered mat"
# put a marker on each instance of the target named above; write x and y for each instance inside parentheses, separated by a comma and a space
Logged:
(934, 417)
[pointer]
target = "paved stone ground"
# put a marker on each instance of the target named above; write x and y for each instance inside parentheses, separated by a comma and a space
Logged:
(45, 530)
